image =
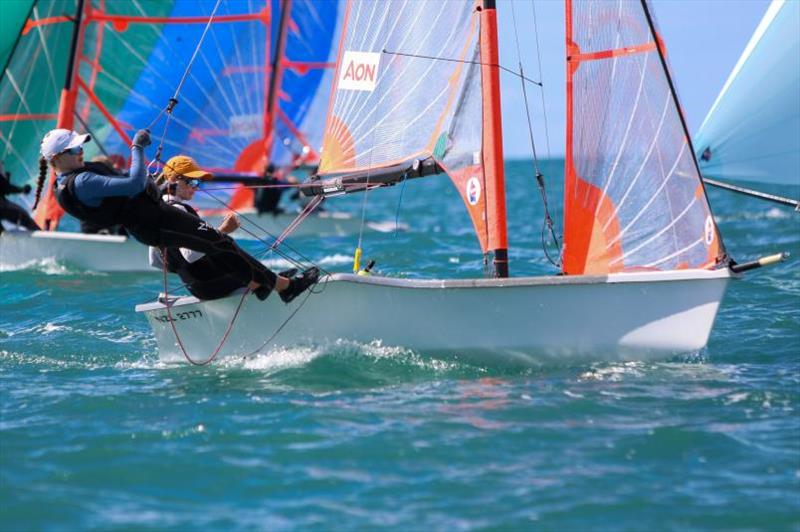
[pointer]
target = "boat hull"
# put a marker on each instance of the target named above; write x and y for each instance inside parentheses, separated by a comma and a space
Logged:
(325, 223)
(104, 253)
(639, 316)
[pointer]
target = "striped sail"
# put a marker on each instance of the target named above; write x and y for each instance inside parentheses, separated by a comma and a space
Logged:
(31, 82)
(130, 59)
(752, 132)
(408, 87)
(633, 195)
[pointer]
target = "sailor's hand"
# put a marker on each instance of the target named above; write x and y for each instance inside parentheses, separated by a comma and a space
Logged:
(26, 189)
(229, 224)
(142, 138)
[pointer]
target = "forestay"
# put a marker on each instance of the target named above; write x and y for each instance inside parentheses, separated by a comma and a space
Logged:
(633, 195)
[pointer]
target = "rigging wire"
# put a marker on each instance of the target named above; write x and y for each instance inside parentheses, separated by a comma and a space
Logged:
(174, 100)
(271, 247)
(547, 222)
(451, 60)
(539, 64)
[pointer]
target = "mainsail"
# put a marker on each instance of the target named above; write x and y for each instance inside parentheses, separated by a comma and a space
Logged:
(130, 57)
(752, 132)
(409, 87)
(633, 195)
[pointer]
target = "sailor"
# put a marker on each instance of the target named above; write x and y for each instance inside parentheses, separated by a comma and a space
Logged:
(10, 211)
(203, 274)
(90, 194)
(268, 197)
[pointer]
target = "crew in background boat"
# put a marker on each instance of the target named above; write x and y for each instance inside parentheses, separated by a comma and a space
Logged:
(204, 275)
(134, 201)
(268, 197)
(10, 211)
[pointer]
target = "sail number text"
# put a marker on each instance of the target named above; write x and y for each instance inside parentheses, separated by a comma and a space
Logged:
(179, 316)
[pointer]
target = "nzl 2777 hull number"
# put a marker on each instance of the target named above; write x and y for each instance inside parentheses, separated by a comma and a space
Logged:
(179, 316)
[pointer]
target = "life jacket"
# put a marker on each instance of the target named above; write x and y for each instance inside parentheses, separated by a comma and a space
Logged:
(112, 210)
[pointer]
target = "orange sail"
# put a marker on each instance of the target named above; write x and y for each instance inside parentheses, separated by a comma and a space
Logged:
(633, 196)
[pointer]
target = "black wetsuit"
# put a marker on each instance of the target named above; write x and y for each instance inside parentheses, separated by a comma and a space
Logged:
(205, 278)
(10, 211)
(151, 221)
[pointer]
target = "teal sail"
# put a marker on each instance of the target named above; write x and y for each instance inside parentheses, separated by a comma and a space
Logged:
(752, 132)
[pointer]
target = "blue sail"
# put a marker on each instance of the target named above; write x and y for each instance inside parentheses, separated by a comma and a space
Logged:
(752, 132)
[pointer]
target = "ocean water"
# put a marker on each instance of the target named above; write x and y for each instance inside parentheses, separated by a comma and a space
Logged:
(96, 433)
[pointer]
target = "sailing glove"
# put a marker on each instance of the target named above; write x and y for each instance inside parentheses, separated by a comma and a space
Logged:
(142, 138)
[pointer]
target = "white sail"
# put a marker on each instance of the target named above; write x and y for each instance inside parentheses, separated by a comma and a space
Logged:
(752, 132)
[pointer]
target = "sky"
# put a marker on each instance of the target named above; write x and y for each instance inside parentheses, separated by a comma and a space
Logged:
(704, 39)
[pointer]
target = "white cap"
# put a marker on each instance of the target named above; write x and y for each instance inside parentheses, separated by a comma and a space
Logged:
(59, 140)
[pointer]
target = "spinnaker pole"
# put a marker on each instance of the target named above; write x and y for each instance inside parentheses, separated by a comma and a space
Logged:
(493, 140)
(49, 214)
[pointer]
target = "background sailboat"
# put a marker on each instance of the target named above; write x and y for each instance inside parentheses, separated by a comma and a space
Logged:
(644, 265)
(751, 134)
(256, 93)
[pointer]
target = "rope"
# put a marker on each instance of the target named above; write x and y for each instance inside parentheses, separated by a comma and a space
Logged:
(269, 247)
(547, 222)
(174, 100)
(175, 329)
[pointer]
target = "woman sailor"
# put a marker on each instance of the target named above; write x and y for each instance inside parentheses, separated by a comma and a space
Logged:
(202, 273)
(91, 195)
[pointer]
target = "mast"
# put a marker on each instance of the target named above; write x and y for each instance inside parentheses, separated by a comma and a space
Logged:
(50, 213)
(276, 77)
(493, 140)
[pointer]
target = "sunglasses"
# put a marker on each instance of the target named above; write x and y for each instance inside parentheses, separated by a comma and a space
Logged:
(194, 183)
(77, 150)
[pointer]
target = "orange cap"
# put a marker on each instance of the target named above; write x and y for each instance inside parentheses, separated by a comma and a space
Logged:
(186, 167)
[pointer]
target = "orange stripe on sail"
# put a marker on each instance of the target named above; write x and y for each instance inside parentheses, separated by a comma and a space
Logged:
(616, 52)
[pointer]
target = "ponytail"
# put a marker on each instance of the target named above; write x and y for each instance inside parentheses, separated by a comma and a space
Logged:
(40, 182)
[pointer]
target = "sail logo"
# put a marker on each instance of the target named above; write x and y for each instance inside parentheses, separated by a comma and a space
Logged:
(473, 190)
(709, 230)
(359, 71)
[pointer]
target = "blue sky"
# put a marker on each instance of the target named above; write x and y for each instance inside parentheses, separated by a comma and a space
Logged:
(704, 39)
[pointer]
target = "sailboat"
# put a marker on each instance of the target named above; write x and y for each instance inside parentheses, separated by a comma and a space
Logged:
(746, 140)
(257, 94)
(644, 267)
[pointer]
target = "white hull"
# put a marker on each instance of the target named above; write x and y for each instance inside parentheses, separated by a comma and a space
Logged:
(102, 253)
(636, 316)
(324, 223)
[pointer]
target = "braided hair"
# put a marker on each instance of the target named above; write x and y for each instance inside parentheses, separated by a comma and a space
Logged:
(40, 182)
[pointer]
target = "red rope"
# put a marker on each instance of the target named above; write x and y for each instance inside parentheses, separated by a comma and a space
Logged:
(175, 329)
